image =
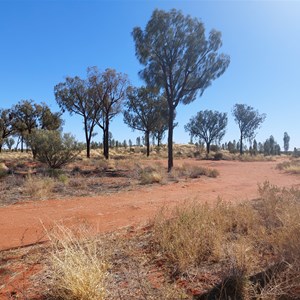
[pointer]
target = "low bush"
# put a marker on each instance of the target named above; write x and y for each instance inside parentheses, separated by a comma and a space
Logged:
(53, 148)
(193, 171)
(149, 175)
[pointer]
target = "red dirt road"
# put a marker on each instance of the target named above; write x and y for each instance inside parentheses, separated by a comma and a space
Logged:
(24, 223)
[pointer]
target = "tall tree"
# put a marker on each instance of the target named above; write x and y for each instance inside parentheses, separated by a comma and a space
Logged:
(75, 96)
(28, 116)
(179, 59)
(144, 111)
(6, 125)
(109, 91)
(248, 121)
(25, 118)
(286, 142)
(208, 126)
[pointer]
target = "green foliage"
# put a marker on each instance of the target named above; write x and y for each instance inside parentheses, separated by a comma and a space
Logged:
(271, 147)
(286, 142)
(178, 59)
(248, 121)
(208, 126)
(146, 110)
(75, 96)
(6, 128)
(108, 90)
(54, 149)
(28, 116)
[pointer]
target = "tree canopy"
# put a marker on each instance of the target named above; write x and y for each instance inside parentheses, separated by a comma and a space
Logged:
(248, 120)
(208, 126)
(178, 58)
(145, 110)
(109, 90)
(6, 125)
(286, 142)
(74, 95)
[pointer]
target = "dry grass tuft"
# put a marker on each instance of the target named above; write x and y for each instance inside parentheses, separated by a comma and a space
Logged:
(192, 171)
(197, 232)
(292, 166)
(38, 187)
(256, 244)
(78, 266)
(150, 175)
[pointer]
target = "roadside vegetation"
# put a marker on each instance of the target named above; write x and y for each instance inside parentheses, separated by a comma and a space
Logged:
(291, 166)
(23, 178)
(193, 251)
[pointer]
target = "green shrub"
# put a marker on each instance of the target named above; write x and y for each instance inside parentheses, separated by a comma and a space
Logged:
(53, 148)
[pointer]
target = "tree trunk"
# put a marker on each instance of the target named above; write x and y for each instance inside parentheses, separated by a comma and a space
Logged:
(207, 148)
(87, 140)
(22, 144)
(103, 141)
(170, 138)
(106, 147)
(147, 134)
(241, 145)
(1, 144)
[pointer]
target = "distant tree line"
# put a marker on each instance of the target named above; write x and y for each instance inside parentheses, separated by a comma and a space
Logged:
(180, 61)
(22, 120)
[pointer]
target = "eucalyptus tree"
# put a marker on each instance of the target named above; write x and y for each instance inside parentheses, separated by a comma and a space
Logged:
(6, 125)
(28, 116)
(248, 120)
(144, 111)
(25, 118)
(208, 126)
(179, 59)
(75, 96)
(109, 90)
(286, 142)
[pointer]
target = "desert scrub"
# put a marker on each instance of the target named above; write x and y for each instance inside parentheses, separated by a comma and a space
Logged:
(53, 148)
(292, 166)
(195, 232)
(252, 240)
(150, 175)
(192, 171)
(78, 266)
(38, 186)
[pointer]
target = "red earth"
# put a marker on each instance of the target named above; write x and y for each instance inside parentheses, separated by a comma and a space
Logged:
(25, 223)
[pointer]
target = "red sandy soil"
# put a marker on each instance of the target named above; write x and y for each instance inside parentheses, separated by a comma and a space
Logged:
(24, 223)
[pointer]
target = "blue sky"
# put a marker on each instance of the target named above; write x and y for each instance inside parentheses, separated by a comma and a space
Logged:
(41, 42)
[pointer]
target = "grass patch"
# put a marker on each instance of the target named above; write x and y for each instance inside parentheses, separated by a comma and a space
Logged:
(38, 187)
(192, 171)
(78, 266)
(150, 175)
(292, 166)
(255, 245)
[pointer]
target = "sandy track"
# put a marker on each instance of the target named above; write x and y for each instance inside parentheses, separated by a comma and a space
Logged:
(22, 224)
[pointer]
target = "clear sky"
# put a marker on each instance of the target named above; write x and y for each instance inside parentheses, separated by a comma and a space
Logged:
(43, 41)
